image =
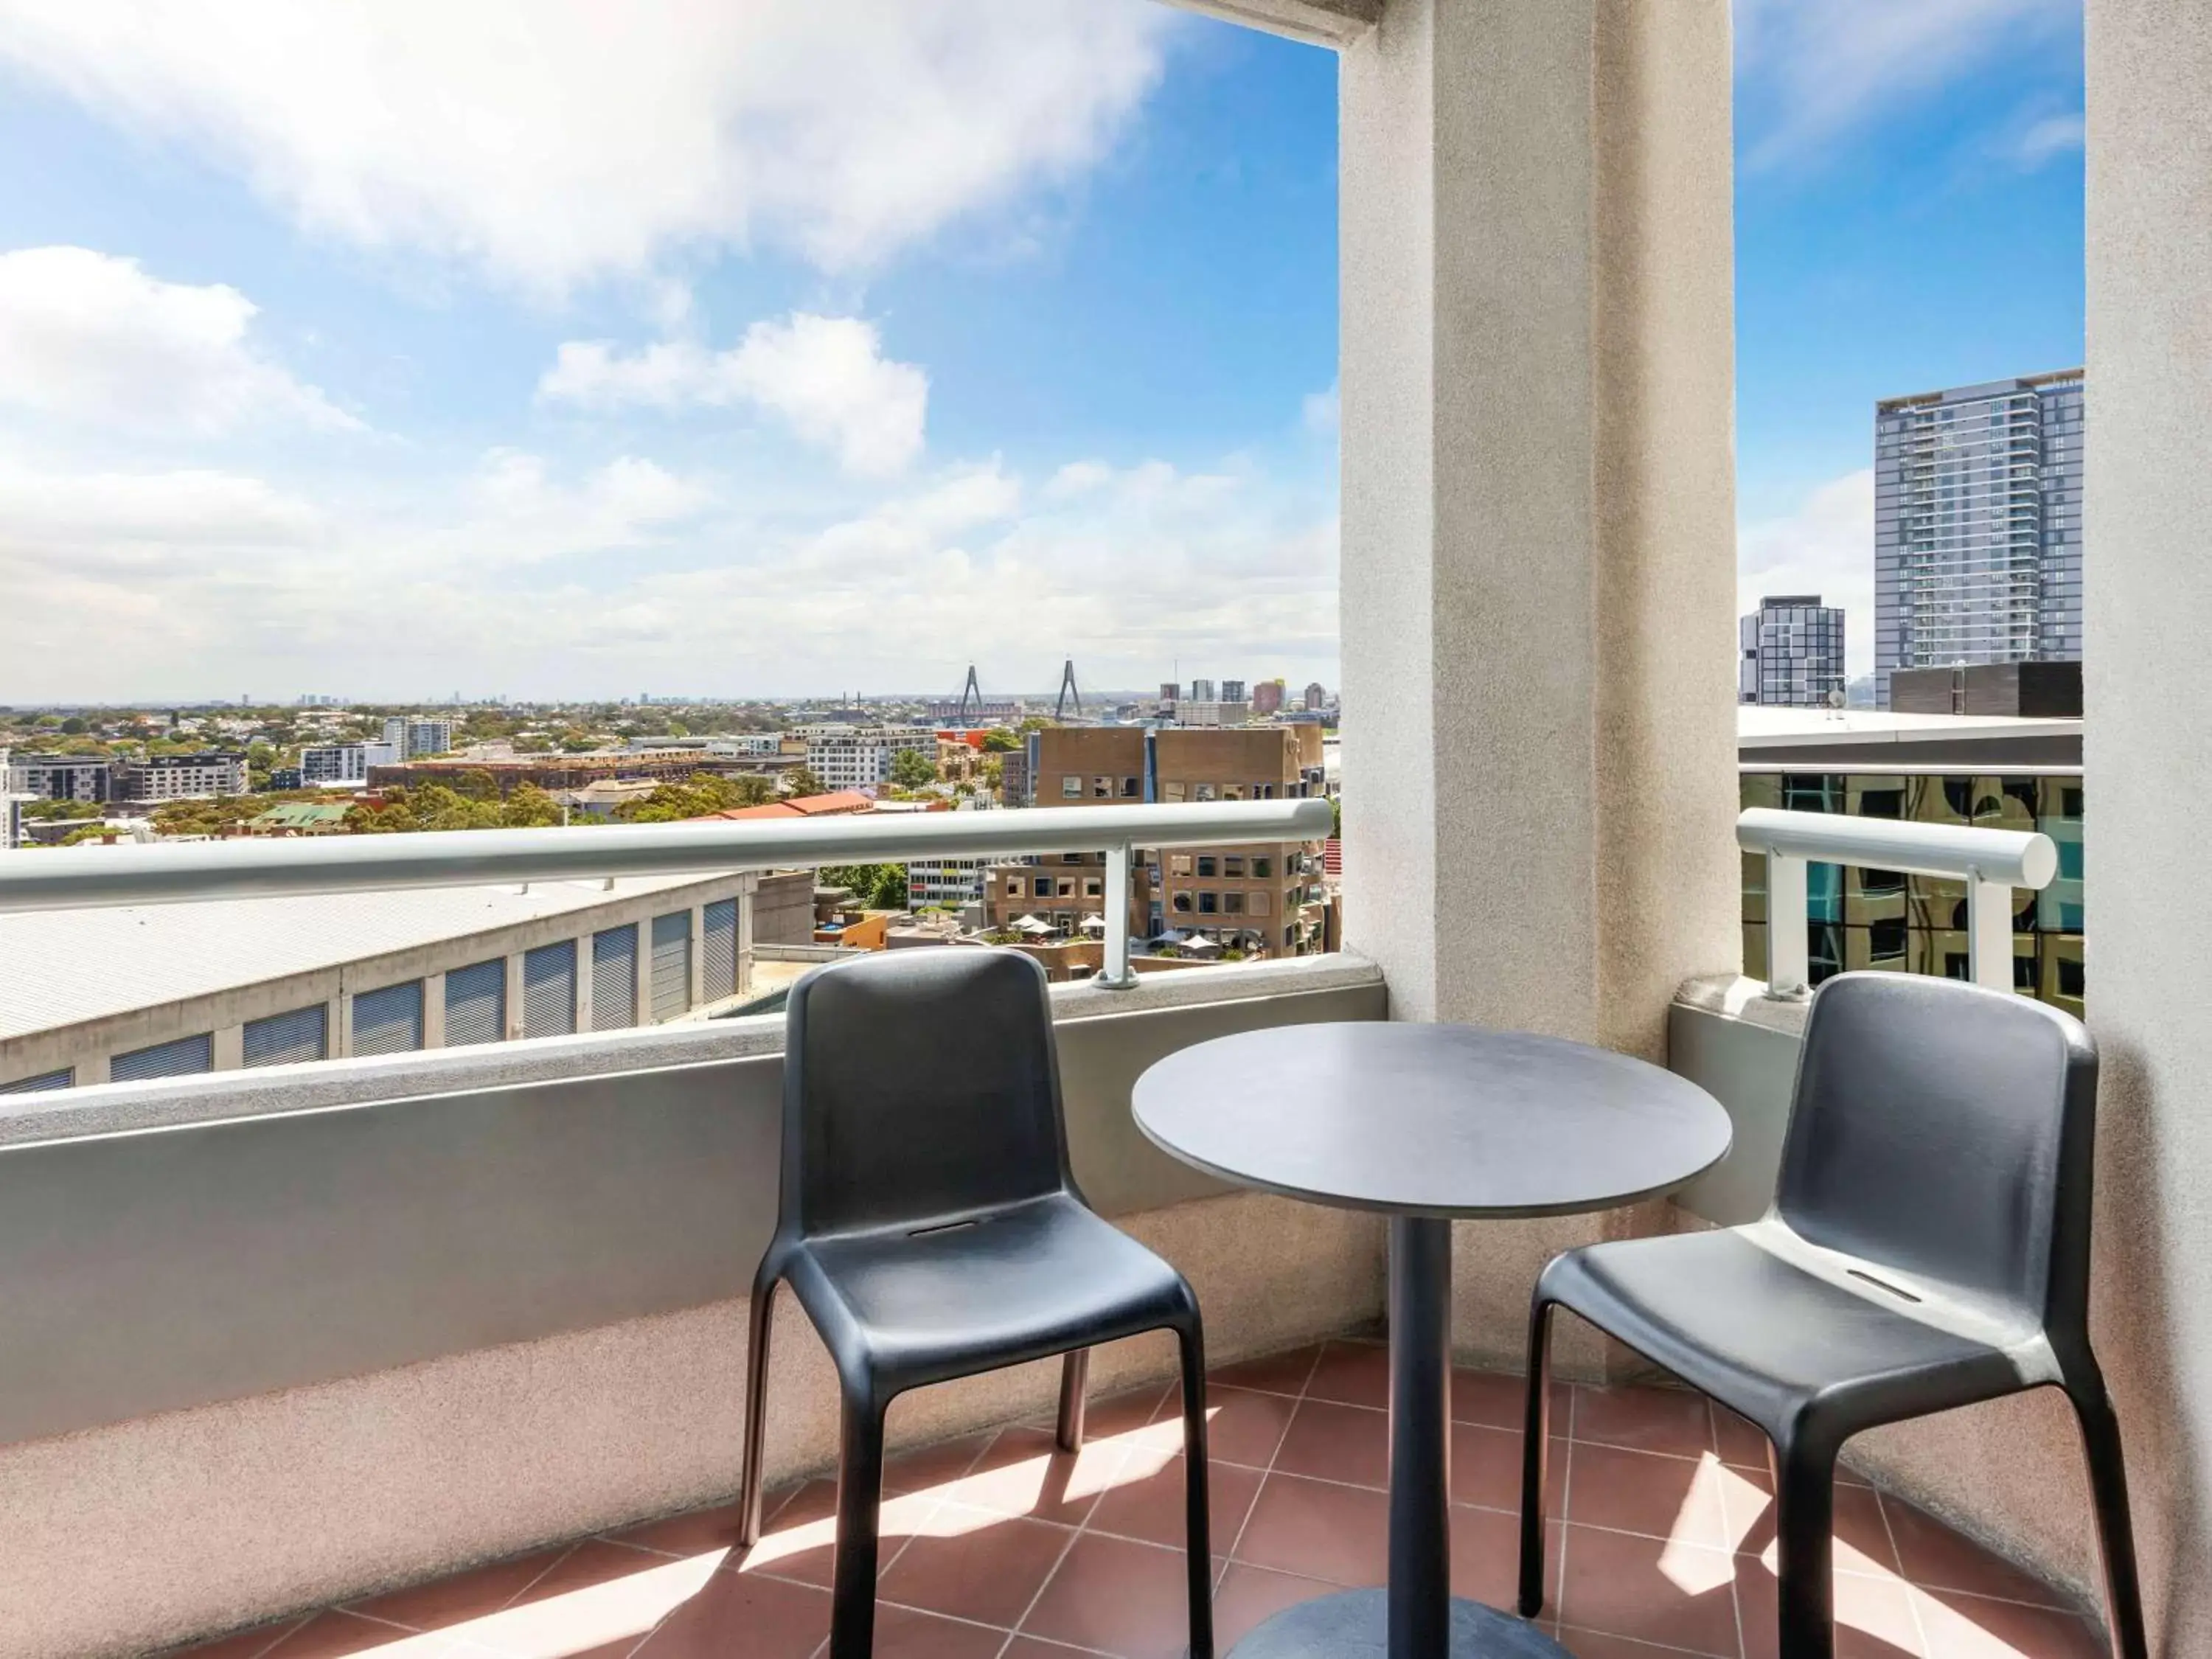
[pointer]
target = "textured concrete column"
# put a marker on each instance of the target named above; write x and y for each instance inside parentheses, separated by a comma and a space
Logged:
(1538, 566)
(2148, 605)
(1538, 539)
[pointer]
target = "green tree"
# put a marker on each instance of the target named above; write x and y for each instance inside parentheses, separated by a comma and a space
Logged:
(478, 784)
(529, 808)
(1336, 816)
(74, 725)
(803, 780)
(911, 768)
(875, 886)
(999, 741)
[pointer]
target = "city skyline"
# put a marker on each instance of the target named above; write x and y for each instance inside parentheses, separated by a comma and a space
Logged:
(955, 339)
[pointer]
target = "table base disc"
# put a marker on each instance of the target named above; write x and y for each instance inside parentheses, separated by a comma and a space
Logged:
(1354, 1625)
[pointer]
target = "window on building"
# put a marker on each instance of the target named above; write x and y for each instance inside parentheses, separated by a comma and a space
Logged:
(1232, 863)
(1209, 904)
(548, 989)
(288, 1039)
(1101, 788)
(1232, 904)
(1093, 887)
(1178, 864)
(388, 1021)
(721, 920)
(1041, 888)
(177, 1058)
(1131, 787)
(1207, 864)
(1070, 788)
(671, 964)
(614, 978)
(1067, 888)
(1262, 868)
(66, 1078)
(1232, 792)
(476, 1003)
(1202, 791)
(1181, 902)
(1176, 791)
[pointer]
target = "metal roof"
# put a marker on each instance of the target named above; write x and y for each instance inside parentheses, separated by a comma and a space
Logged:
(64, 966)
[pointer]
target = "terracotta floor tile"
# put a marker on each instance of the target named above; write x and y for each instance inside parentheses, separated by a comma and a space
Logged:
(1739, 1443)
(1353, 1374)
(1128, 1598)
(1675, 1595)
(600, 1596)
(1242, 1427)
(1874, 1616)
(699, 1532)
(464, 1595)
(1590, 1645)
(1976, 1627)
(1935, 1557)
(1248, 1596)
(330, 1635)
(1279, 1373)
(802, 1543)
(1862, 1539)
(970, 1564)
(905, 1633)
(1499, 1401)
(1644, 1419)
(737, 1614)
(1114, 1414)
(1318, 1531)
(1148, 1505)
(241, 1645)
(1024, 1472)
(1337, 1443)
(1661, 1497)
(1486, 1555)
(929, 1467)
(1485, 1469)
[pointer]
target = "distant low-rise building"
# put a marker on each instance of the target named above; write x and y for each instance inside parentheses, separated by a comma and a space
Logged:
(1317, 698)
(159, 778)
(411, 736)
(860, 757)
(62, 777)
(1214, 713)
(340, 764)
(1791, 653)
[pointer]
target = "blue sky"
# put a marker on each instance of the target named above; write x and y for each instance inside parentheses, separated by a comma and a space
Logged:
(534, 350)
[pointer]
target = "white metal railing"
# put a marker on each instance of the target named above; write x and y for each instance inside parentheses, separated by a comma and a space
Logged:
(1992, 862)
(265, 867)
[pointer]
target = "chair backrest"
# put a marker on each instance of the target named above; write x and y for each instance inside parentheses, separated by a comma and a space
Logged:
(1948, 1131)
(917, 1085)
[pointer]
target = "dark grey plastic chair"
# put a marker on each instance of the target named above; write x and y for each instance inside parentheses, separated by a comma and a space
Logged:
(931, 1229)
(1927, 1247)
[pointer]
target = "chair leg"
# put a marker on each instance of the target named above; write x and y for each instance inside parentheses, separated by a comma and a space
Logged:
(1198, 1545)
(2108, 1491)
(1535, 1453)
(860, 1497)
(1074, 1378)
(756, 1339)
(1805, 1522)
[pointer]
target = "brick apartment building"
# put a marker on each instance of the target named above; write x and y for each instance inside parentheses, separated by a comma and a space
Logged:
(548, 772)
(1263, 895)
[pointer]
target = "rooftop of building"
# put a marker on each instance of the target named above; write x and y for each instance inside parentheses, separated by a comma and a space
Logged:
(301, 815)
(94, 962)
(833, 805)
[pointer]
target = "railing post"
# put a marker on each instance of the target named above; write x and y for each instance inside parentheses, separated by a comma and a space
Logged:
(1115, 974)
(1789, 964)
(1989, 933)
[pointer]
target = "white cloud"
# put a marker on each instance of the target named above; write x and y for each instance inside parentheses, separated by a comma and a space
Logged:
(91, 338)
(1321, 411)
(1825, 547)
(2043, 140)
(1077, 478)
(522, 515)
(825, 377)
(551, 142)
(1809, 70)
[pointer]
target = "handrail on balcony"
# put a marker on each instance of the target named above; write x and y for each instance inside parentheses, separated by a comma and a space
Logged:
(1992, 862)
(262, 868)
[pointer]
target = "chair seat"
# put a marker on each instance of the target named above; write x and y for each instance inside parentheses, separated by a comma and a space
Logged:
(1785, 1347)
(1022, 1283)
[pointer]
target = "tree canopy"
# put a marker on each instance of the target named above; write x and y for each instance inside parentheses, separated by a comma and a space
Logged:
(911, 768)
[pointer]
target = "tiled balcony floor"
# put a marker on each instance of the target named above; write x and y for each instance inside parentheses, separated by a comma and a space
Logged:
(997, 1547)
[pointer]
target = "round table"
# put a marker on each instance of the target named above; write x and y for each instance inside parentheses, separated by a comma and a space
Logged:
(1428, 1124)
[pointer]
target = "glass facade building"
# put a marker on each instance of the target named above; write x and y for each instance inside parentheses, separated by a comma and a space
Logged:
(1792, 651)
(1978, 525)
(1917, 924)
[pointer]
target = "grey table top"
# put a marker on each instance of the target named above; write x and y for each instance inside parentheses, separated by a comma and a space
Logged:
(1431, 1120)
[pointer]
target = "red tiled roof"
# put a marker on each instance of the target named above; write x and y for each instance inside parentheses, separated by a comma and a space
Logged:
(834, 805)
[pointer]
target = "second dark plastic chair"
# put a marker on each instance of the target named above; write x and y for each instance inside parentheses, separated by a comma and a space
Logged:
(931, 1230)
(1928, 1248)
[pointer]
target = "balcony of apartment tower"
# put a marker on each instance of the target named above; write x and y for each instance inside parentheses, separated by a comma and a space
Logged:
(442, 1350)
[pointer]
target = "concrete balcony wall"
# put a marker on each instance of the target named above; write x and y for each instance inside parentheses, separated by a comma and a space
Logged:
(276, 1340)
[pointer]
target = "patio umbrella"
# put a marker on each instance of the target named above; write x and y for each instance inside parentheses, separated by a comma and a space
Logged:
(1031, 925)
(1094, 924)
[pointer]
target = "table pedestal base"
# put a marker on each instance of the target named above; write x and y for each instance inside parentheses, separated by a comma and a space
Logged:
(1355, 1625)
